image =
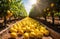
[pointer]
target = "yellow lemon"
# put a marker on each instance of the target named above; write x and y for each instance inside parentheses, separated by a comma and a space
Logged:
(15, 26)
(31, 30)
(24, 28)
(32, 34)
(42, 31)
(26, 35)
(8, 11)
(46, 32)
(13, 30)
(20, 32)
(9, 0)
(28, 28)
(39, 35)
(19, 28)
(36, 30)
(32, 26)
(42, 27)
(13, 35)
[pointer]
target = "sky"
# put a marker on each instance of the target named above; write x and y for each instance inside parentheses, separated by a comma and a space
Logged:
(28, 4)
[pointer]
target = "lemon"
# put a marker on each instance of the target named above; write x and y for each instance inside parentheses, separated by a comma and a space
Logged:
(32, 34)
(13, 30)
(24, 28)
(19, 28)
(28, 28)
(46, 32)
(39, 35)
(32, 26)
(18, 24)
(9, 0)
(35, 24)
(42, 31)
(42, 28)
(21, 32)
(13, 35)
(36, 30)
(8, 11)
(26, 35)
(15, 26)
(32, 30)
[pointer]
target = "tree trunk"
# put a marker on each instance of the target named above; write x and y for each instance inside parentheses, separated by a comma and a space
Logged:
(5, 21)
(59, 14)
(10, 19)
(53, 18)
(45, 17)
(59, 17)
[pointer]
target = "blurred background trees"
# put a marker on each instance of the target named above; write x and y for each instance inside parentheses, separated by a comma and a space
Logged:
(46, 8)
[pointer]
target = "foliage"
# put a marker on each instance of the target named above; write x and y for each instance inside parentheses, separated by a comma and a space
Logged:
(4, 6)
(57, 14)
(14, 6)
(18, 8)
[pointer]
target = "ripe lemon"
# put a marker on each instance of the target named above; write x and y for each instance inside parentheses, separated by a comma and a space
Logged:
(8, 11)
(9, 0)
(39, 35)
(42, 28)
(36, 30)
(13, 30)
(32, 26)
(32, 34)
(46, 32)
(26, 35)
(28, 28)
(24, 28)
(13, 35)
(15, 26)
(31, 30)
(21, 32)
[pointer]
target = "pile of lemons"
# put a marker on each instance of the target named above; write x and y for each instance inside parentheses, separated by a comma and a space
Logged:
(28, 27)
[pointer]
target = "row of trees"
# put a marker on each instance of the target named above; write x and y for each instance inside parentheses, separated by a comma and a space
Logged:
(9, 8)
(50, 8)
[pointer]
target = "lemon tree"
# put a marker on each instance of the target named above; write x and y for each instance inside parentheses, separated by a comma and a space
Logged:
(4, 7)
(9, 8)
